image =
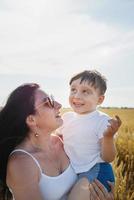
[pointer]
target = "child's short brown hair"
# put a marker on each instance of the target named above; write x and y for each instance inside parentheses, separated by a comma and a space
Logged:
(95, 78)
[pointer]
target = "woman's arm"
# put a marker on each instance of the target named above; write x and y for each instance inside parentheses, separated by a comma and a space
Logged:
(23, 178)
(95, 191)
(99, 192)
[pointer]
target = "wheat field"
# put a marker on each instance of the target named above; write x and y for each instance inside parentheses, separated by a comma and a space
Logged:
(123, 164)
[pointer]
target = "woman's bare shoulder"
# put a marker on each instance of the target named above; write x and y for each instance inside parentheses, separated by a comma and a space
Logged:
(21, 167)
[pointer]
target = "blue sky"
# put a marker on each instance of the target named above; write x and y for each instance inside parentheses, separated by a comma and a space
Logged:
(48, 41)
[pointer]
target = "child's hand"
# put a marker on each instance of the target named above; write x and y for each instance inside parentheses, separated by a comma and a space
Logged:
(113, 127)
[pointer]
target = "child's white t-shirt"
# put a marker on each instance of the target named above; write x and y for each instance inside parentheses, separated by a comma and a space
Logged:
(81, 134)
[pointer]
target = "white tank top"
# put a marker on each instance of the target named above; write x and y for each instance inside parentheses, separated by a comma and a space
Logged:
(54, 187)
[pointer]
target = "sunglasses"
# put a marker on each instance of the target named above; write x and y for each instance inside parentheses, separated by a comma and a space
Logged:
(47, 101)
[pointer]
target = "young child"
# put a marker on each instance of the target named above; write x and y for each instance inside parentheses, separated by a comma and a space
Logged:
(88, 133)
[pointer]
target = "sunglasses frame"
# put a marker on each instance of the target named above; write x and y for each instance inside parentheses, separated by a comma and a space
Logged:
(47, 100)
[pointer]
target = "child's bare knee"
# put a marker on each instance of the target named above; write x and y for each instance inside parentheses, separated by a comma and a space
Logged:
(84, 180)
(84, 183)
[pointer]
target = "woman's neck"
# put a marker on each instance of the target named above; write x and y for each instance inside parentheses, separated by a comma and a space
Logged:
(36, 143)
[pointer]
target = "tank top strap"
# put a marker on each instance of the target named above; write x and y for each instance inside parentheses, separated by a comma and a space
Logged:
(35, 160)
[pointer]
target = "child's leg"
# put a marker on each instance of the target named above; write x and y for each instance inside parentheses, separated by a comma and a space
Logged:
(106, 174)
(102, 171)
(80, 191)
(91, 174)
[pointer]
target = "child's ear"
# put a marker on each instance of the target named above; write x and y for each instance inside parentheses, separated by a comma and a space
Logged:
(101, 99)
(30, 120)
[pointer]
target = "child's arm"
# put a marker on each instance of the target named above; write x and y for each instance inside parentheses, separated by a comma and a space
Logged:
(108, 150)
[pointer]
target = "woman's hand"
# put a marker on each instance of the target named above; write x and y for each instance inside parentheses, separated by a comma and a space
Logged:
(99, 192)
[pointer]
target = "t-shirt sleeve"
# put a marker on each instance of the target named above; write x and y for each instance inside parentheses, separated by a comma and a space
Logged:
(102, 126)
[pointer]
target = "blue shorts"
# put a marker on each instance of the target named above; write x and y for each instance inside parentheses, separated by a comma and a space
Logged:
(101, 171)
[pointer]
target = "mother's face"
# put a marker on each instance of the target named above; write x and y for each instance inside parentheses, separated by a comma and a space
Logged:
(47, 112)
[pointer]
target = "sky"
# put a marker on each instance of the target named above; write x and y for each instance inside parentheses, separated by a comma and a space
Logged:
(48, 41)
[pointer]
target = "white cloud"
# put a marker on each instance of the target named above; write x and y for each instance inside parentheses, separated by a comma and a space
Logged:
(49, 41)
(59, 38)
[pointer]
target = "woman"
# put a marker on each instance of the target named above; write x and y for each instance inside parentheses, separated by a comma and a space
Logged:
(33, 164)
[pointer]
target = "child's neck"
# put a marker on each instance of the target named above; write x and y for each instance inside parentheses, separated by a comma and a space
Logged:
(86, 113)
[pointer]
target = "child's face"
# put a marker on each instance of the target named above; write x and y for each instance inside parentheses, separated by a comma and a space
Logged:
(83, 97)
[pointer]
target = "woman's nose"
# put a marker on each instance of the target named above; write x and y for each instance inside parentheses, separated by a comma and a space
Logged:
(57, 105)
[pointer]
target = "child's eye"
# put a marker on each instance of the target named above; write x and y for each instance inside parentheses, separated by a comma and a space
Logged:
(85, 92)
(73, 90)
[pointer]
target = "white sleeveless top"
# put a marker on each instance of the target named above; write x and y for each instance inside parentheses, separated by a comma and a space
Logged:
(54, 187)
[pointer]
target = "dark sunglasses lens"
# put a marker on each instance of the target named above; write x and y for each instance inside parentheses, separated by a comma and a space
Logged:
(51, 101)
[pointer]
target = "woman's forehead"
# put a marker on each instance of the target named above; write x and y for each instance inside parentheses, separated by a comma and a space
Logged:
(40, 95)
